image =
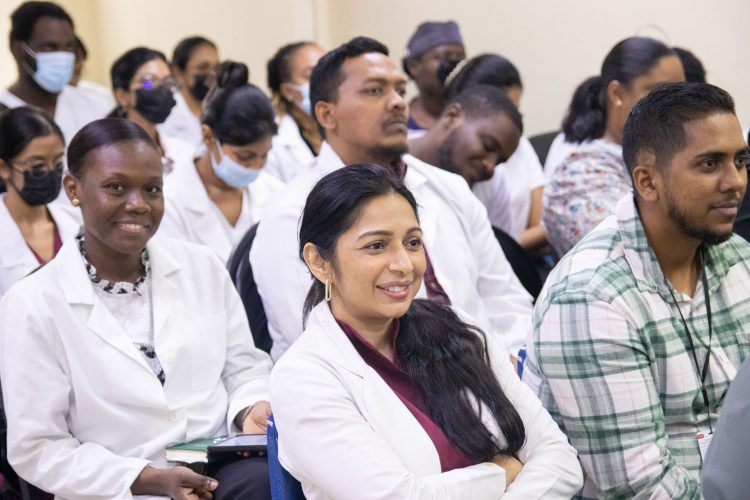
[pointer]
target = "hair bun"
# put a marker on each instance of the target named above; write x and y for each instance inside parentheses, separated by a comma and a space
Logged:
(232, 74)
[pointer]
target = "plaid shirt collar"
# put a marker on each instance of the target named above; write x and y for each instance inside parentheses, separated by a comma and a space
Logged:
(642, 259)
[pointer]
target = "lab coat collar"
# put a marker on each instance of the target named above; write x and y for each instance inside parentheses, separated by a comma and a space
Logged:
(323, 321)
(71, 275)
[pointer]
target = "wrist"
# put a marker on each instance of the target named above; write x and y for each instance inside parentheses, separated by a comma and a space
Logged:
(239, 420)
(149, 482)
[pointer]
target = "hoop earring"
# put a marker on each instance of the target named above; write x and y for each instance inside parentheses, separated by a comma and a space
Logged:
(328, 290)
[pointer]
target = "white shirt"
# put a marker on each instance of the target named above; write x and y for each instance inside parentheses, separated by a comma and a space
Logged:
(16, 258)
(189, 214)
(182, 123)
(344, 433)
(290, 154)
(85, 412)
(75, 108)
(507, 195)
(465, 255)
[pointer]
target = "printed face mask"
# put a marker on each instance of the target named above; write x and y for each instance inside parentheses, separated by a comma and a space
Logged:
(232, 173)
(53, 69)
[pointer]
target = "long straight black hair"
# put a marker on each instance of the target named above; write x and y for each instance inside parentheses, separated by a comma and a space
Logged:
(445, 357)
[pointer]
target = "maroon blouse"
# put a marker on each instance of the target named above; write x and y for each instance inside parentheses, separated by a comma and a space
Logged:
(409, 394)
(56, 246)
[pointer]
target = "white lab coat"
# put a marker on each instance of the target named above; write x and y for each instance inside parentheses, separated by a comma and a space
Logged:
(16, 258)
(75, 108)
(343, 433)
(190, 214)
(182, 123)
(290, 154)
(465, 255)
(85, 412)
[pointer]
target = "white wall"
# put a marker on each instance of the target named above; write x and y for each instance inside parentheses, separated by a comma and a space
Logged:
(554, 43)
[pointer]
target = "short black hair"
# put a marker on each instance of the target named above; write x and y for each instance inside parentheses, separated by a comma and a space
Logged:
(184, 50)
(482, 101)
(327, 76)
(694, 71)
(656, 124)
(491, 69)
(19, 126)
(23, 19)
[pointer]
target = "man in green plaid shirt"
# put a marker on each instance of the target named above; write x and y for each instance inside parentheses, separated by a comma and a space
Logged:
(610, 355)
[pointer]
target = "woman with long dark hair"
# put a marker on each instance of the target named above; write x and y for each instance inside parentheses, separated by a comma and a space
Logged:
(384, 396)
(583, 189)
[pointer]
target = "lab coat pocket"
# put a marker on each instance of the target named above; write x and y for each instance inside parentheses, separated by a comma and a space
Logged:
(207, 338)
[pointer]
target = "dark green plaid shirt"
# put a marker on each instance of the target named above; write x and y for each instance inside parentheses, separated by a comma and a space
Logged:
(611, 361)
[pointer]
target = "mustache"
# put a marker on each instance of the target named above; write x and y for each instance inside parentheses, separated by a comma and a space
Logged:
(395, 120)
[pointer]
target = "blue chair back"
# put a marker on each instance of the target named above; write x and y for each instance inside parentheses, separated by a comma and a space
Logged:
(283, 484)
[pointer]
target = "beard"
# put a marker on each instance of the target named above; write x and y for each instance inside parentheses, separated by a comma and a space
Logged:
(688, 228)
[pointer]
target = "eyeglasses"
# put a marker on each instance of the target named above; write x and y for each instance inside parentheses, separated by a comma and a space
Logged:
(38, 168)
(149, 82)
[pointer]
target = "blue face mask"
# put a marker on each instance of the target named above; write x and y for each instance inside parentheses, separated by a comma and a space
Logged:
(305, 104)
(53, 69)
(232, 173)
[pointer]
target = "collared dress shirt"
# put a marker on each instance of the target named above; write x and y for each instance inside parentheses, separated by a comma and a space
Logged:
(610, 358)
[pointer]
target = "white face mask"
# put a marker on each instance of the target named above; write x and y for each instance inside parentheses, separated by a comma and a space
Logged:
(305, 104)
(232, 173)
(53, 69)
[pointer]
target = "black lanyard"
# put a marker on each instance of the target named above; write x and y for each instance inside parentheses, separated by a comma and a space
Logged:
(702, 373)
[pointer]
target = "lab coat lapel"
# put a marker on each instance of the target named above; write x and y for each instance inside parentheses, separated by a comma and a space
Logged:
(78, 290)
(164, 296)
(205, 224)
(14, 251)
(385, 412)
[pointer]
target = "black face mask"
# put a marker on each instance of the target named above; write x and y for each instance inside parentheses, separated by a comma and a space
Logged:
(199, 88)
(40, 190)
(154, 104)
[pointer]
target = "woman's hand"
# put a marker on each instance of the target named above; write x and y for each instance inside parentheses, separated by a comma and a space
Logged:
(256, 420)
(511, 465)
(179, 483)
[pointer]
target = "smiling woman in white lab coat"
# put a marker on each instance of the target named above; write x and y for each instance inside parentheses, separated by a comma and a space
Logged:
(384, 396)
(214, 199)
(31, 166)
(124, 344)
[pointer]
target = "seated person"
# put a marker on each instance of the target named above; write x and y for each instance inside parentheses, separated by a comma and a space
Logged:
(385, 396)
(215, 198)
(43, 44)
(31, 166)
(298, 141)
(142, 84)
(194, 63)
(479, 128)
(358, 98)
(642, 326)
(124, 344)
(583, 190)
(520, 175)
(433, 45)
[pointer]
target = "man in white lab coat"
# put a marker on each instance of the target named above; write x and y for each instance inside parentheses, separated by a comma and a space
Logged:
(358, 99)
